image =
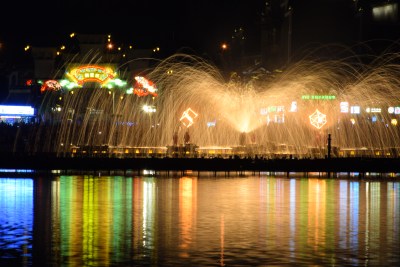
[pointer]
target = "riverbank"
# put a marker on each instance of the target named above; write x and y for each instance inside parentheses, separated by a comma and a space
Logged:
(362, 165)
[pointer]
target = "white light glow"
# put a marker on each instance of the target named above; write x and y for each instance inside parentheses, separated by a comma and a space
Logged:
(17, 110)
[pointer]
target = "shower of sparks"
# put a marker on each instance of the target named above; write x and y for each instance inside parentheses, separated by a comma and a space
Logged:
(274, 107)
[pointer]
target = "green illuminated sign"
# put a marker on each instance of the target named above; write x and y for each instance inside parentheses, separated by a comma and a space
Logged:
(318, 97)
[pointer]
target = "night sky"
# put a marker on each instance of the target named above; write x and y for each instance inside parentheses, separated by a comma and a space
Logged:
(199, 25)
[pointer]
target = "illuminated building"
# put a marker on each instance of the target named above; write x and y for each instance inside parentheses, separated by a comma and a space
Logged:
(377, 19)
(26, 84)
(276, 33)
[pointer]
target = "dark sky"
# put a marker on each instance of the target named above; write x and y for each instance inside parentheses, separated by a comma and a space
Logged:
(201, 25)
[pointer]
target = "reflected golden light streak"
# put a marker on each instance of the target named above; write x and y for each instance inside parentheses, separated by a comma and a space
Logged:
(316, 212)
(222, 237)
(187, 212)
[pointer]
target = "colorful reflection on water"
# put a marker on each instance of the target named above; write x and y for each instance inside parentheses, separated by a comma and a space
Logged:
(198, 221)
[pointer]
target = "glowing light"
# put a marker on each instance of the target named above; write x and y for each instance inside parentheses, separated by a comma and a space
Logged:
(149, 109)
(396, 110)
(344, 107)
(50, 85)
(144, 87)
(394, 122)
(91, 73)
(188, 117)
(355, 110)
(373, 110)
(17, 110)
(293, 106)
(317, 119)
(388, 11)
(318, 97)
(238, 105)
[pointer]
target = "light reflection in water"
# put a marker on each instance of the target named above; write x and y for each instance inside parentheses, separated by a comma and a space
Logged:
(148, 213)
(143, 221)
(187, 214)
(16, 220)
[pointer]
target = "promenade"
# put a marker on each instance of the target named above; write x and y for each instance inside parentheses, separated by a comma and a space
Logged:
(332, 165)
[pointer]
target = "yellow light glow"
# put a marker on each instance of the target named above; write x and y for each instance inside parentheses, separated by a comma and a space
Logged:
(188, 117)
(91, 73)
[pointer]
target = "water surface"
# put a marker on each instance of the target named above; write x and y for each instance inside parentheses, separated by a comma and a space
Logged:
(199, 221)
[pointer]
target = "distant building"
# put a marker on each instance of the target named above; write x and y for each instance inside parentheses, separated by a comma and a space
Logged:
(276, 34)
(378, 19)
(50, 63)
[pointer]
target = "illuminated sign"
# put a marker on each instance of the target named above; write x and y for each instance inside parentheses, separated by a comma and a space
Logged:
(17, 110)
(355, 110)
(144, 87)
(264, 111)
(318, 97)
(373, 110)
(50, 85)
(188, 117)
(317, 119)
(293, 106)
(91, 73)
(149, 109)
(344, 107)
(272, 109)
(211, 124)
(394, 110)
(279, 118)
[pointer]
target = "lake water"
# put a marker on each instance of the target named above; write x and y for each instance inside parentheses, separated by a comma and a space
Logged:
(97, 220)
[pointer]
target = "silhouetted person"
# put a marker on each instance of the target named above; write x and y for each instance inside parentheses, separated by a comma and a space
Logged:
(186, 137)
(242, 139)
(175, 138)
